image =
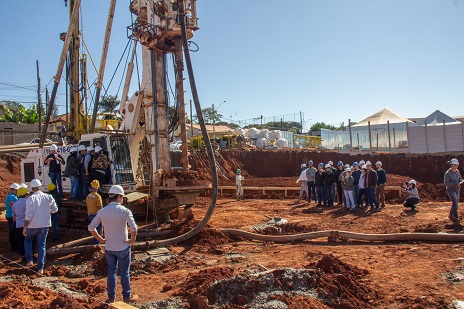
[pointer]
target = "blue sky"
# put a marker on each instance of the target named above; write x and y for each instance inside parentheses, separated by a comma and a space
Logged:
(330, 59)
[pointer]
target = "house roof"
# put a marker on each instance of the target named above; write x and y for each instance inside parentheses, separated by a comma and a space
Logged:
(435, 118)
(381, 117)
(60, 118)
(217, 128)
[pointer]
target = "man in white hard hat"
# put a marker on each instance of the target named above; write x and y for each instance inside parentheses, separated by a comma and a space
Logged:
(55, 160)
(86, 170)
(304, 181)
(72, 171)
(115, 219)
(99, 165)
(80, 162)
(453, 182)
(39, 206)
(11, 198)
(381, 183)
(370, 183)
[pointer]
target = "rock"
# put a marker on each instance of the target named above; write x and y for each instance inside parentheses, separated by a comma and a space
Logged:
(166, 287)
(200, 302)
(242, 300)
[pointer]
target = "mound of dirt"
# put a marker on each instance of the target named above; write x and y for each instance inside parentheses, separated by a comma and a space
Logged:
(206, 240)
(186, 179)
(90, 262)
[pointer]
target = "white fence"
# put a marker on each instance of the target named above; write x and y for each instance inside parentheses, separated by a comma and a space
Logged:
(437, 138)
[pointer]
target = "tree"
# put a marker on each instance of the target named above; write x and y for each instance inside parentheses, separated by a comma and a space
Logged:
(210, 115)
(228, 124)
(15, 112)
(109, 104)
(321, 125)
(278, 125)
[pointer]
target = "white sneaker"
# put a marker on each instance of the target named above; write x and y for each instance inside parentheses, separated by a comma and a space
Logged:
(40, 272)
(30, 264)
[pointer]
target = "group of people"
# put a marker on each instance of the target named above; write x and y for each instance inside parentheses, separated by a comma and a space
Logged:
(83, 165)
(356, 186)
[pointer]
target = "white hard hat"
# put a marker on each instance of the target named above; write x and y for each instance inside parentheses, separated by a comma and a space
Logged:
(454, 161)
(347, 165)
(98, 149)
(348, 169)
(364, 167)
(14, 186)
(327, 165)
(378, 163)
(73, 149)
(412, 181)
(303, 165)
(82, 147)
(361, 162)
(35, 183)
(116, 189)
(330, 163)
(53, 147)
(90, 148)
(23, 185)
(368, 163)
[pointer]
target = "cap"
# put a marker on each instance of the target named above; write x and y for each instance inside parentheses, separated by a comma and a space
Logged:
(454, 161)
(321, 164)
(378, 163)
(22, 191)
(310, 162)
(98, 149)
(53, 147)
(90, 148)
(95, 184)
(73, 149)
(327, 166)
(348, 169)
(364, 167)
(368, 163)
(14, 186)
(35, 183)
(51, 187)
(340, 163)
(82, 147)
(116, 189)
(303, 165)
(412, 181)
(355, 164)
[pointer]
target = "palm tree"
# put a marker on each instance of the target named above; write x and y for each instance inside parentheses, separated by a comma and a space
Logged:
(109, 104)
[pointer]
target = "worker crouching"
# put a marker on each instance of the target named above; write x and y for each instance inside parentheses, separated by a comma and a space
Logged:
(413, 195)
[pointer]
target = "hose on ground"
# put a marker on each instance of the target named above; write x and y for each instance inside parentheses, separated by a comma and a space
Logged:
(209, 150)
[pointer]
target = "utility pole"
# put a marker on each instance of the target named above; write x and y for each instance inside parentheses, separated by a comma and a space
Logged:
(39, 98)
(214, 118)
(47, 100)
(191, 119)
(301, 122)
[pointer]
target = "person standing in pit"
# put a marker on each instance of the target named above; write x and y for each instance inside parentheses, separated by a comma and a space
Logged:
(115, 217)
(453, 182)
(19, 212)
(80, 168)
(329, 180)
(57, 215)
(381, 182)
(413, 195)
(72, 172)
(356, 173)
(9, 201)
(304, 184)
(338, 176)
(362, 189)
(310, 176)
(55, 160)
(348, 189)
(370, 182)
(94, 204)
(319, 182)
(37, 221)
(238, 184)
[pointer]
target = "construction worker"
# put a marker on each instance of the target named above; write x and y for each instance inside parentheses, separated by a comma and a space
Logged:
(362, 189)
(99, 165)
(9, 201)
(57, 215)
(370, 183)
(347, 180)
(94, 204)
(413, 195)
(310, 178)
(115, 217)
(356, 173)
(238, 184)
(55, 160)
(381, 182)
(319, 182)
(19, 213)
(338, 180)
(304, 182)
(39, 206)
(453, 182)
(86, 169)
(80, 163)
(333, 189)
(72, 171)
(329, 180)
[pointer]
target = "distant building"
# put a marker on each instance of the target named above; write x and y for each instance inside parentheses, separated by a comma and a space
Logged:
(197, 130)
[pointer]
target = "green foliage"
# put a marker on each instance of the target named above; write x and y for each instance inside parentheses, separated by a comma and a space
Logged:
(292, 126)
(210, 115)
(15, 112)
(321, 125)
(229, 124)
(109, 104)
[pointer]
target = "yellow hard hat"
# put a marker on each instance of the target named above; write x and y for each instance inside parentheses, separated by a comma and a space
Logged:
(95, 184)
(22, 191)
(51, 187)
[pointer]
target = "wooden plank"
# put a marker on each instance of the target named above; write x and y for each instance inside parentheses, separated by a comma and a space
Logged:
(122, 305)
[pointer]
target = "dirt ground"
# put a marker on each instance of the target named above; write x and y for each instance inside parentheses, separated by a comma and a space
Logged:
(213, 270)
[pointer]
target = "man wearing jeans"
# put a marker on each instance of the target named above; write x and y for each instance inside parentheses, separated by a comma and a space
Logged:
(39, 206)
(370, 183)
(310, 176)
(115, 218)
(453, 181)
(54, 160)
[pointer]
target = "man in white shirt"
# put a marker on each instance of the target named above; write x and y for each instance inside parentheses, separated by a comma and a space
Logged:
(115, 218)
(238, 184)
(39, 206)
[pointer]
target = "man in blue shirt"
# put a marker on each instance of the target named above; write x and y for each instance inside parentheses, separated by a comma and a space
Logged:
(9, 201)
